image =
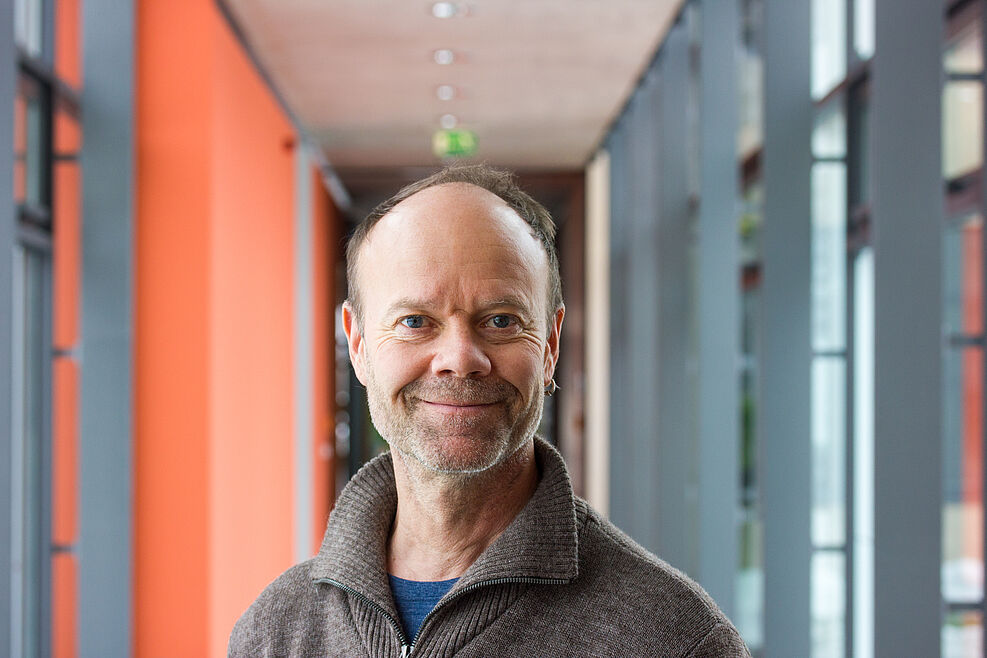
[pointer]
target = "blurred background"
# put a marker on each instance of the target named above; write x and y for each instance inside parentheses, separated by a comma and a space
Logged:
(771, 239)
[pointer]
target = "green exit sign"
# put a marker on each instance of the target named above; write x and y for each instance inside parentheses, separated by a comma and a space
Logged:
(454, 143)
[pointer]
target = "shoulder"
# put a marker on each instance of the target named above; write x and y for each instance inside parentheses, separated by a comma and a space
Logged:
(274, 612)
(642, 590)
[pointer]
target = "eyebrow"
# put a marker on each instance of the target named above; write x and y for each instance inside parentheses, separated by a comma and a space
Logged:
(412, 303)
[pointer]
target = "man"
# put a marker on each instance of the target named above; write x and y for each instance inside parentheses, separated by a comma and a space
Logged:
(466, 538)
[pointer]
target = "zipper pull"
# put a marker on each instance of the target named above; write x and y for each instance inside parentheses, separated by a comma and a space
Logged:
(405, 650)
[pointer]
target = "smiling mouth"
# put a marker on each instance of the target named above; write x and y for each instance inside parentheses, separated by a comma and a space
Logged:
(458, 405)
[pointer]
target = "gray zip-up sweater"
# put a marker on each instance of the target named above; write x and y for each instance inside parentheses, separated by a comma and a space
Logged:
(559, 581)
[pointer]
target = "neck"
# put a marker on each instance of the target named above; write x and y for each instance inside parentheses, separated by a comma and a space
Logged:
(444, 522)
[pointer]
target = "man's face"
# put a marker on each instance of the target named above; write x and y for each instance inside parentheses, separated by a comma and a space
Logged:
(454, 349)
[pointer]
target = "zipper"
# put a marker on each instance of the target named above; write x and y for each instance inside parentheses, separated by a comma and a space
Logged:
(406, 648)
(513, 580)
(402, 638)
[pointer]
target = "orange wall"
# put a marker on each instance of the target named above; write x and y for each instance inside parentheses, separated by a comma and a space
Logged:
(214, 424)
(251, 340)
(66, 251)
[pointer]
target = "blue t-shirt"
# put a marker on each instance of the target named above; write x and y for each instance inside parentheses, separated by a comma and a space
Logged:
(415, 599)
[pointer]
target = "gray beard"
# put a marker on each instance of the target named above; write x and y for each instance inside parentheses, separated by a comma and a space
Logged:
(493, 442)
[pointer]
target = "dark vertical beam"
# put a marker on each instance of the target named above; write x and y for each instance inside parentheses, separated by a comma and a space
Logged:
(719, 308)
(907, 217)
(787, 358)
(675, 454)
(8, 224)
(106, 399)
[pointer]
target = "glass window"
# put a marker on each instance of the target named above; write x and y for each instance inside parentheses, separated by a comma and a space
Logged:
(28, 25)
(829, 133)
(30, 450)
(828, 45)
(750, 133)
(962, 127)
(751, 220)
(828, 604)
(828, 452)
(828, 256)
(749, 616)
(965, 52)
(859, 156)
(963, 434)
(30, 177)
(963, 288)
(863, 28)
(863, 454)
(961, 636)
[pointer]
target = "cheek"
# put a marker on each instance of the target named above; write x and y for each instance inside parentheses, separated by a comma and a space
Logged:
(397, 365)
(522, 366)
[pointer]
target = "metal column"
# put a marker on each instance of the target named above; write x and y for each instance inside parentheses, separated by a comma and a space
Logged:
(641, 315)
(106, 399)
(8, 241)
(719, 290)
(907, 217)
(676, 488)
(785, 414)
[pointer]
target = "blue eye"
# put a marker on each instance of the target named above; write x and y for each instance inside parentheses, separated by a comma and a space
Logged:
(501, 321)
(413, 321)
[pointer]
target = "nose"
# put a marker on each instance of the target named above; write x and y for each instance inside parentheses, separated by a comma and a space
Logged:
(459, 352)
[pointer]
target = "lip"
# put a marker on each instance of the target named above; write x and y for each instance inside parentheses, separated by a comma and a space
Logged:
(443, 403)
(458, 407)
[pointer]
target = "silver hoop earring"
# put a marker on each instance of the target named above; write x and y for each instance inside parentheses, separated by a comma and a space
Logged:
(551, 387)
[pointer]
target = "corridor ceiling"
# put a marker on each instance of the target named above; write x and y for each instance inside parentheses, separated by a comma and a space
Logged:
(537, 81)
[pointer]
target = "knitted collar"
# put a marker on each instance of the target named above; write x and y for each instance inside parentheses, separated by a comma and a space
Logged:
(541, 542)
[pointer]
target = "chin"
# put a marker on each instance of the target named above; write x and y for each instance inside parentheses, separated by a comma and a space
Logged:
(461, 455)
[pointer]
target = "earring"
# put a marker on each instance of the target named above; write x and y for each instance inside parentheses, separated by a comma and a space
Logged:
(551, 387)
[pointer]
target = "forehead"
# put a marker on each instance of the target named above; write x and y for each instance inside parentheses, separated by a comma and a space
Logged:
(450, 236)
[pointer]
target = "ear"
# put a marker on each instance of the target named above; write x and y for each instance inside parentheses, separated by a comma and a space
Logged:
(354, 338)
(552, 344)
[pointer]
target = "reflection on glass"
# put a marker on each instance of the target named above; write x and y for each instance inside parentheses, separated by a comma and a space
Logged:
(828, 604)
(20, 148)
(963, 565)
(828, 256)
(961, 635)
(751, 220)
(828, 45)
(859, 182)
(29, 146)
(828, 451)
(749, 615)
(963, 259)
(30, 526)
(863, 454)
(963, 434)
(965, 52)
(750, 132)
(28, 22)
(829, 133)
(962, 127)
(863, 28)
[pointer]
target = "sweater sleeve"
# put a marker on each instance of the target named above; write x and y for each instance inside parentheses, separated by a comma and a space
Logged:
(722, 641)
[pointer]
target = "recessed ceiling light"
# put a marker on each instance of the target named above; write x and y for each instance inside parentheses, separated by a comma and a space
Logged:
(444, 9)
(444, 56)
(448, 121)
(445, 92)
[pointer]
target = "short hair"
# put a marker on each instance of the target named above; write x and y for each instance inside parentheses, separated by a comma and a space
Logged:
(497, 181)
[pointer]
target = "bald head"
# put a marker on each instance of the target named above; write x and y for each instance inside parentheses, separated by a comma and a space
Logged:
(479, 183)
